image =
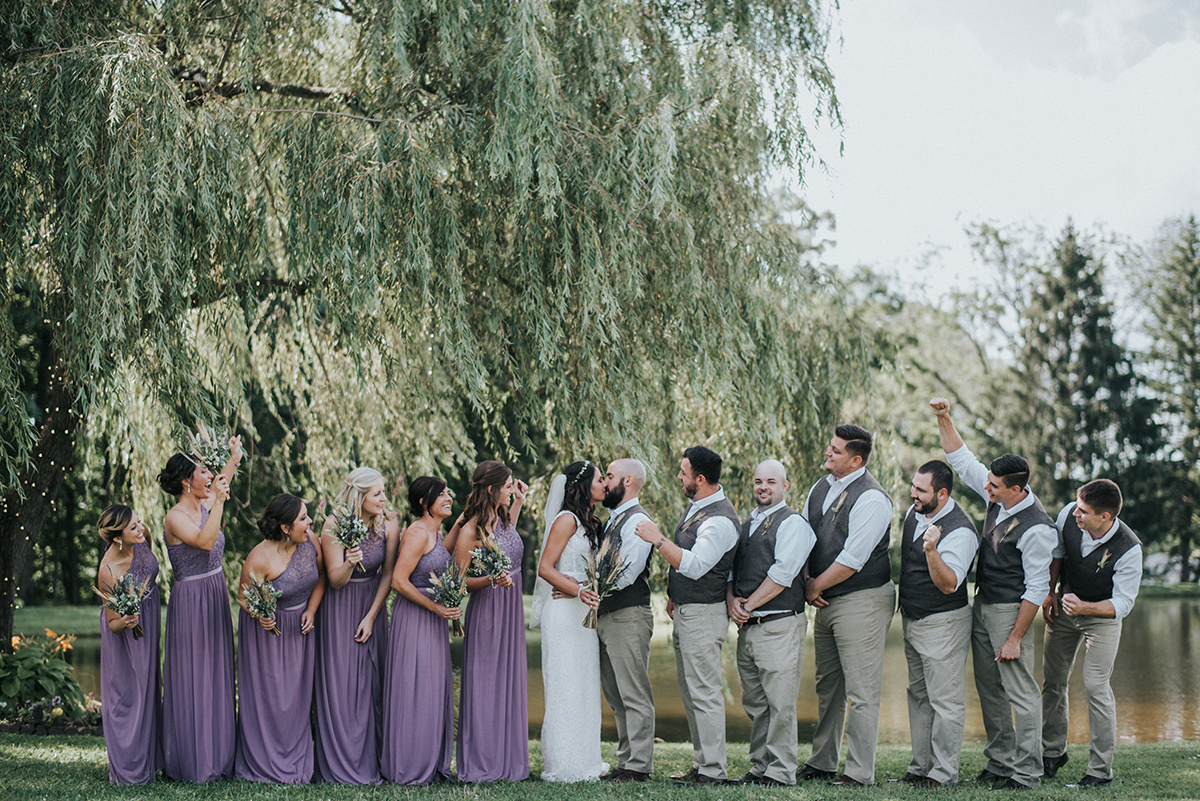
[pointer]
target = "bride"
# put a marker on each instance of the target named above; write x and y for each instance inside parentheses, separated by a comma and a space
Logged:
(570, 652)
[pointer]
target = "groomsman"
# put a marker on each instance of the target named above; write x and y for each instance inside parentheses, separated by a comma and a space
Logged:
(625, 625)
(701, 556)
(765, 597)
(1098, 568)
(937, 547)
(850, 583)
(1011, 582)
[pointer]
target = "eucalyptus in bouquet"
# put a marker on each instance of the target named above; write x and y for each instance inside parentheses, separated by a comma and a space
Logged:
(211, 448)
(489, 560)
(604, 568)
(449, 589)
(124, 597)
(261, 599)
(349, 530)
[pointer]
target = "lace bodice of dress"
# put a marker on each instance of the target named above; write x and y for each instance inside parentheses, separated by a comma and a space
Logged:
(434, 562)
(510, 543)
(374, 549)
(188, 561)
(299, 577)
(573, 560)
(144, 564)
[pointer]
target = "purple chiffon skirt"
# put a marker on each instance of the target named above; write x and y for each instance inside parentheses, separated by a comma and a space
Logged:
(130, 690)
(418, 698)
(275, 691)
(349, 686)
(199, 726)
(493, 731)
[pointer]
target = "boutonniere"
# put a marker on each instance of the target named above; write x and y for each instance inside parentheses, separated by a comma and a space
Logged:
(1008, 530)
(1104, 560)
(697, 519)
(766, 522)
(841, 501)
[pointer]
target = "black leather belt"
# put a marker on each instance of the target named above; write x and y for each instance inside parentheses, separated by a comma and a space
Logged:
(754, 621)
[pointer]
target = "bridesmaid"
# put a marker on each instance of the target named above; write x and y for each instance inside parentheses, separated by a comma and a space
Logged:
(275, 672)
(129, 675)
(418, 692)
(493, 731)
(352, 637)
(198, 693)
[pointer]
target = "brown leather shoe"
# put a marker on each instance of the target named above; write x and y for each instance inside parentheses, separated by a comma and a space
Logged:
(630, 776)
(605, 777)
(686, 777)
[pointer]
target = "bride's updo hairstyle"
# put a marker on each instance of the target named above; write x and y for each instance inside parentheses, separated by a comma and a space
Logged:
(422, 494)
(483, 504)
(278, 517)
(354, 490)
(577, 499)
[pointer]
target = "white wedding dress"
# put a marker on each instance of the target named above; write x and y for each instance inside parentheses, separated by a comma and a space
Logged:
(571, 677)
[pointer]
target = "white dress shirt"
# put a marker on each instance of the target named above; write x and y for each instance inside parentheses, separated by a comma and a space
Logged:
(957, 548)
(717, 534)
(794, 540)
(869, 519)
(1127, 572)
(634, 550)
(1036, 544)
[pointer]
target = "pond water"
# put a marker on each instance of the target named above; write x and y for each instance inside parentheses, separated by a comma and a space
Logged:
(1156, 681)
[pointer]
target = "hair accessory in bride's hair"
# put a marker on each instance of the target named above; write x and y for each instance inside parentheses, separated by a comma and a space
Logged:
(575, 478)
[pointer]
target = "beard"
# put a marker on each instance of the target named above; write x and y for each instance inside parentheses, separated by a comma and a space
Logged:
(613, 497)
(921, 507)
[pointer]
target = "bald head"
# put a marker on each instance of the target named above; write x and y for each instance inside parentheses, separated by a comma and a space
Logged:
(623, 481)
(770, 483)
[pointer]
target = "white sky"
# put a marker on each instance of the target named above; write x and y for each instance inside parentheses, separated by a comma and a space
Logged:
(1010, 111)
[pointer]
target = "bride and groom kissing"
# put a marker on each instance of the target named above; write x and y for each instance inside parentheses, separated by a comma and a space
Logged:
(577, 662)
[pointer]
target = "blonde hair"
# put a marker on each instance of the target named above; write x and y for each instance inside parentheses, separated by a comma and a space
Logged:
(355, 488)
(113, 521)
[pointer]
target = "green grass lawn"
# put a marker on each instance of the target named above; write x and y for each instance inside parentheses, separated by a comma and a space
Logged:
(62, 768)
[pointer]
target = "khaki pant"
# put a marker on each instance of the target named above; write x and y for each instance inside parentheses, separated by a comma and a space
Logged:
(625, 677)
(1100, 636)
(936, 649)
(1008, 695)
(848, 640)
(768, 659)
(700, 631)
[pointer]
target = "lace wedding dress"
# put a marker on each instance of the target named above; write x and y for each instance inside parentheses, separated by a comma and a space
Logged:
(571, 676)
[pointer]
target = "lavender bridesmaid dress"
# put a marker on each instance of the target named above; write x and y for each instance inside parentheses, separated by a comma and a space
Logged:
(198, 695)
(493, 732)
(418, 693)
(349, 687)
(275, 682)
(130, 687)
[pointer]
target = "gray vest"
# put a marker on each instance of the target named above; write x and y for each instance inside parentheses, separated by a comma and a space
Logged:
(1000, 576)
(833, 527)
(919, 596)
(1091, 577)
(637, 593)
(756, 554)
(709, 588)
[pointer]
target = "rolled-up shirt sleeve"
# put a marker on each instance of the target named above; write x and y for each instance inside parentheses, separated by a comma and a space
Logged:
(793, 543)
(634, 550)
(1127, 580)
(972, 471)
(869, 520)
(1036, 545)
(957, 550)
(714, 539)
(1060, 550)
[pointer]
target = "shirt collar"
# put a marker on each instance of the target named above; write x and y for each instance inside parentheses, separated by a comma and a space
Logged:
(756, 513)
(836, 484)
(719, 495)
(624, 505)
(947, 509)
(1023, 505)
(1108, 535)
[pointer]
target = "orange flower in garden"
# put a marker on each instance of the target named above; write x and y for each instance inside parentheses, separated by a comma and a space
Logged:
(16, 641)
(50, 632)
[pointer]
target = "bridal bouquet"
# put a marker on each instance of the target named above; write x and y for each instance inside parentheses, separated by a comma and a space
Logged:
(261, 599)
(124, 596)
(449, 589)
(211, 448)
(489, 561)
(350, 531)
(604, 569)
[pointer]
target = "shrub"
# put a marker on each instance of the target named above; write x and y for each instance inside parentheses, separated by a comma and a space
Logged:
(37, 673)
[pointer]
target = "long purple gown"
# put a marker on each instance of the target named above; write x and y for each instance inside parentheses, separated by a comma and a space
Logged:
(418, 692)
(349, 687)
(275, 682)
(130, 687)
(493, 731)
(198, 680)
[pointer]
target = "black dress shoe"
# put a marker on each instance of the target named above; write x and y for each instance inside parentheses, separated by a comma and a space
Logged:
(1050, 765)
(986, 776)
(1091, 781)
(604, 777)
(630, 776)
(701, 779)
(846, 781)
(927, 783)
(808, 773)
(685, 777)
(910, 778)
(1011, 784)
(762, 781)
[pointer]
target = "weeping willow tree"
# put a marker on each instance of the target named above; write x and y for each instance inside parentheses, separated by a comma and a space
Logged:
(523, 215)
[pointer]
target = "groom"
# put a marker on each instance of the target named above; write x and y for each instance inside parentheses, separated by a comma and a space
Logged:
(625, 625)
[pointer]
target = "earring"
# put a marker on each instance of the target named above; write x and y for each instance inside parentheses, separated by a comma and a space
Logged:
(189, 489)
(120, 545)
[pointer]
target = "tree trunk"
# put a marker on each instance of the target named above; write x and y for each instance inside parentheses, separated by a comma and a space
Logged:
(22, 517)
